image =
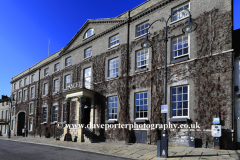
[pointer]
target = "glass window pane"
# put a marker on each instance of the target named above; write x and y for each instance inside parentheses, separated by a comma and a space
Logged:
(137, 115)
(179, 90)
(179, 105)
(173, 90)
(185, 112)
(173, 112)
(179, 112)
(185, 51)
(145, 108)
(145, 114)
(185, 104)
(174, 106)
(137, 96)
(185, 97)
(179, 97)
(141, 95)
(173, 98)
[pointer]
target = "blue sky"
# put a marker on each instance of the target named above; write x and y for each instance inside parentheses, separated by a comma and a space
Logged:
(26, 26)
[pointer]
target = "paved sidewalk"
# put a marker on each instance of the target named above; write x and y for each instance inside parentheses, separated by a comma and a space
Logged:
(136, 151)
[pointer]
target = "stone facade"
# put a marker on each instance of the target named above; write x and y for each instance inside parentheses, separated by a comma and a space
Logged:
(207, 71)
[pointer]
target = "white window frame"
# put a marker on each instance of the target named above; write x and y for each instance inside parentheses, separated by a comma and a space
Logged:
(55, 115)
(33, 78)
(86, 77)
(45, 89)
(57, 68)
(171, 97)
(172, 46)
(113, 69)
(139, 54)
(46, 72)
(66, 83)
(20, 96)
(31, 109)
(20, 83)
(180, 13)
(14, 97)
(25, 81)
(32, 92)
(56, 85)
(88, 52)
(29, 124)
(139, 104)
(114, 39)
(64, 113)
(89, 33)
(25, 94)
(113, 108)
(145, 29)
(68, 61)
(43, 114)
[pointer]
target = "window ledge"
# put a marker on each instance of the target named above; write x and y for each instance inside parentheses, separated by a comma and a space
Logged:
(53, 123)
(44, 123)
(140, 120)
(114, 46)
(112, 121)
(112, 77)
(68, 66)
(87, 58)
(63, 122)
(179, 119)
(55, 92)
(56, 71)
(180, 59)
(178, 20)
(140, 70)
(140, 36)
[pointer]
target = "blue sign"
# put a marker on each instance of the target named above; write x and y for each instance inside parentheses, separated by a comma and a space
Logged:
(164, 108)
(216, 120)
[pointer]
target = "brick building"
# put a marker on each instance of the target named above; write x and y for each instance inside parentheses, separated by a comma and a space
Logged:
(104, 76)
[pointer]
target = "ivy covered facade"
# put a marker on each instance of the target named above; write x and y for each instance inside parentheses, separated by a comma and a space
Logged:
(104, 76)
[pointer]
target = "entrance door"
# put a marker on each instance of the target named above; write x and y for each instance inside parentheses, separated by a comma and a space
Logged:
(21, 123)
(86, 116)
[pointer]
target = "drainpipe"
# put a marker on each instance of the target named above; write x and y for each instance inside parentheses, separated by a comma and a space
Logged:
(128, 37)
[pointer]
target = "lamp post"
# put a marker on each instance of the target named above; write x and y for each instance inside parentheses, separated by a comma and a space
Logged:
(188, 28)
(10, 117)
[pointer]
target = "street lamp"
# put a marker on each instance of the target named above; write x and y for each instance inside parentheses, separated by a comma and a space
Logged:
(188, 28)
(11, 99)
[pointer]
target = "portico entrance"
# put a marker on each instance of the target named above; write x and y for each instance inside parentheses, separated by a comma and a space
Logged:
(83, 108)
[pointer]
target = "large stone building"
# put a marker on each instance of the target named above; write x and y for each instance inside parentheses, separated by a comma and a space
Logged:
(103, 76)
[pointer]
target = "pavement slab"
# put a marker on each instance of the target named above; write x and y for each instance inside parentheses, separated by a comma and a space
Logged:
(137, 150)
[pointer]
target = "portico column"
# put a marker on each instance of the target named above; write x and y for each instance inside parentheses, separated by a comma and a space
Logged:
(92, 114)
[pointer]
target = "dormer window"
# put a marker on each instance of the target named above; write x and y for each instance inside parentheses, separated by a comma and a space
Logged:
(89, 33)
